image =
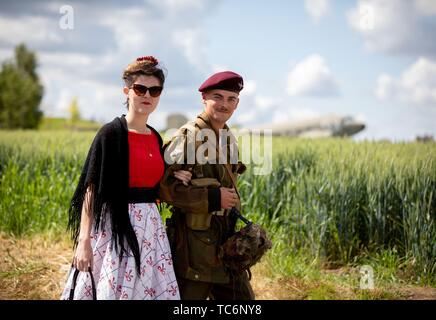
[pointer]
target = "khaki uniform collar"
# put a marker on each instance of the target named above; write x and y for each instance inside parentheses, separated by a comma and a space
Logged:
(204, 116)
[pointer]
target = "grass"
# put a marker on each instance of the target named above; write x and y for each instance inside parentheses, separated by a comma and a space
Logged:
(35, 267)
(38, 175)
(329, 204)
(341, 201)
(66, 124)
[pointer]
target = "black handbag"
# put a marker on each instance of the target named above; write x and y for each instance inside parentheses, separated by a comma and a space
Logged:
(73, 284)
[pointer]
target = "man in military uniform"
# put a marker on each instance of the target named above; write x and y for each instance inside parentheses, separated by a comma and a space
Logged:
(200, 222)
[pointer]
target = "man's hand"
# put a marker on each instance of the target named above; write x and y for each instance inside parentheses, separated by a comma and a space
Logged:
(229, 198)
(184, 176)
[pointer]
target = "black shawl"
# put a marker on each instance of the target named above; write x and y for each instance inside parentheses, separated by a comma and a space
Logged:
(106, 173)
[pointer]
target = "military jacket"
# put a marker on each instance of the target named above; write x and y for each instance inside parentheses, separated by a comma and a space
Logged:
(198, 227)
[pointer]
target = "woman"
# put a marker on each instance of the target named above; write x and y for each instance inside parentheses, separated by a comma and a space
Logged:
(116, 226)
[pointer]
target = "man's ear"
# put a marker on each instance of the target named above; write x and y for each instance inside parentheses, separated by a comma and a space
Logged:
(237, 102)
(126, 90)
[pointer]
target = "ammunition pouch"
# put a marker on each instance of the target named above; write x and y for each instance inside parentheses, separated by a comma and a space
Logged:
(201, 221)
(206, 182)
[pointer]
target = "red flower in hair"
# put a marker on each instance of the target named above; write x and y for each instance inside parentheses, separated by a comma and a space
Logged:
(152, 59)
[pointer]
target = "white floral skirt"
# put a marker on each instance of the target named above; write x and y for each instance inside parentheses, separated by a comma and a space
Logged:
(115, 280)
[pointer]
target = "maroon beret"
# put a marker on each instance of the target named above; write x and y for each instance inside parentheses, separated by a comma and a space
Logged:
(226, 80)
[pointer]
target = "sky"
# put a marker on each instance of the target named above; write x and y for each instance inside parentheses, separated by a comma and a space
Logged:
(374, 60)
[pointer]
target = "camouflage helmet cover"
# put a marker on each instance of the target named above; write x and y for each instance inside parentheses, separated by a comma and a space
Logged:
(245, 248)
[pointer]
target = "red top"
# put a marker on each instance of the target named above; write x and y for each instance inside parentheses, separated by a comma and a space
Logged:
(146, 165)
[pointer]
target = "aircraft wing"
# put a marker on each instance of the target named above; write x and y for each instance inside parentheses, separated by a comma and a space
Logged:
(316, 133)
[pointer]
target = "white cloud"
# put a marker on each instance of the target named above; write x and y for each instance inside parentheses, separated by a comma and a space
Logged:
(180, 6)
(317, 8)
(385, 87)
(96, 100)
(253, 107)
(126, 31)
(29, 29)
(398, 27)
(293, 114)
(270, 110)
(265, 102)
(426, 7)
(142, 30)
(72, 60)
(416, 85)
(245, 117)
(87, 62)
(257, 110)
(187, 40)
(250, 87)
(248, 111)
(311, 77)
(5, 54)
(219, 68)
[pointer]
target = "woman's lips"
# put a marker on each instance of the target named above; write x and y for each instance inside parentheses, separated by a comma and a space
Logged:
(146, 103)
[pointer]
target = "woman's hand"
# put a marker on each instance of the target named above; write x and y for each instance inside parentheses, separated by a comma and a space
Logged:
(184, 176)
(83, 258)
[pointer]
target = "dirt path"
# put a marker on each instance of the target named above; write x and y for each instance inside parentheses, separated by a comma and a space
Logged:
(267, 288)
(37, 268)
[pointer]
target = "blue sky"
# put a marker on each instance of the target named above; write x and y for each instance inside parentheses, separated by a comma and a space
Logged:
(372, 59)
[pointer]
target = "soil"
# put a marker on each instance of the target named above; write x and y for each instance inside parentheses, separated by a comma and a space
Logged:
(36, 268)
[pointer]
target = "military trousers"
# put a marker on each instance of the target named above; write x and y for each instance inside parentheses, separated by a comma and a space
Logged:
(239, 288)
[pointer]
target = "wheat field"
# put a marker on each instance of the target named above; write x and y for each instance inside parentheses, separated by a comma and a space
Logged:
(328, 202)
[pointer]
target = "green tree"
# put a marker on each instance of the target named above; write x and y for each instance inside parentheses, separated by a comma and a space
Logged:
(20, 91)
(74, 112)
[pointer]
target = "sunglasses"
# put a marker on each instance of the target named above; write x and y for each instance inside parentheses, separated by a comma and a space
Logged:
(141, 90)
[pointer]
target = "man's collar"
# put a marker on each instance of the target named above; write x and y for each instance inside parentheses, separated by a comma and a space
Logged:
(205, 117)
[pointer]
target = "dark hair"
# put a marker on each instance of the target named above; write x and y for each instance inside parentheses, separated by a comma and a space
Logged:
(147, 66)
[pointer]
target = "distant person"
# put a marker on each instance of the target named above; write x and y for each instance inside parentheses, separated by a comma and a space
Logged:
(116, 225)
(201, 221)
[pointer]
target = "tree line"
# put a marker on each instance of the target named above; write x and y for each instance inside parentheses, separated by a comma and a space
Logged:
(20, 91)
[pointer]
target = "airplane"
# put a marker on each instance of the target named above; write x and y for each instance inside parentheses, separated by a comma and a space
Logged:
(325, 126)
